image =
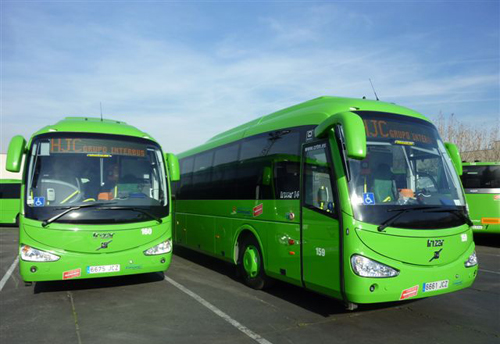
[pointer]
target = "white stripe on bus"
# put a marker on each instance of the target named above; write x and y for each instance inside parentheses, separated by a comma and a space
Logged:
(220, 313)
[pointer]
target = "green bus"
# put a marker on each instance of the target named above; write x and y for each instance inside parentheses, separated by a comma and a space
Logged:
(359, 200)
(481, 181)
(10, 191)
(95, 201)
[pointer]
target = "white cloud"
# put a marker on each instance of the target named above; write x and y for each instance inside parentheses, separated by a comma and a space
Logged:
(183, 95)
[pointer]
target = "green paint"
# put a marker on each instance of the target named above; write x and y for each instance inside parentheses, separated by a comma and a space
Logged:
(481, 181)
(111, 224)
(313, 219)
(251, 261)
(9, 200)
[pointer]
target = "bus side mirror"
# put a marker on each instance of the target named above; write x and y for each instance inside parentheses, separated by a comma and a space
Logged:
(17, 146)
(266, 176)
(354, 132)
(455, 156)
(173, 167)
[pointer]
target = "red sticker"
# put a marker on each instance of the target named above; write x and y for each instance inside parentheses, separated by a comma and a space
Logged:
(410, 292)
(258, 210)
(72, 274)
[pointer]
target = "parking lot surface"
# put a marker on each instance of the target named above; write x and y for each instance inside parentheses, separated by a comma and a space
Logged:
(200, 300)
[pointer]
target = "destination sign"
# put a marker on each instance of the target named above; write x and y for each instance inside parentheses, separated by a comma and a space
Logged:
(94, 147)
(401, 132)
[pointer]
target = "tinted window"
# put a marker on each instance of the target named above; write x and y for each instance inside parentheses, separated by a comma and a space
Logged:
(224, 172)
(186, 177)
(201, 175)
(318, 186)
(268, 166)
(487, 177)
(10, 191)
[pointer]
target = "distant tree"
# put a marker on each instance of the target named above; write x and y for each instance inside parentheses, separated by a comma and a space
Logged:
(475, 142)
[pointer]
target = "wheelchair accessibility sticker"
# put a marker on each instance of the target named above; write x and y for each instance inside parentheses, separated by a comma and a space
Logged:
(39, 202)
(368, 198)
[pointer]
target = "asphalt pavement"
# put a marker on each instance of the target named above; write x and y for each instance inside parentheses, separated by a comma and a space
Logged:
(201, 300)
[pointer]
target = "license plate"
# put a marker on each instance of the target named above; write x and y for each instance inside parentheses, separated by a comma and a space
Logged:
(100, 269)
(477, 227)
(433, 286)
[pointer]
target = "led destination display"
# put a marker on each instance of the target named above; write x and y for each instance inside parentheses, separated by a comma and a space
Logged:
(95, 146)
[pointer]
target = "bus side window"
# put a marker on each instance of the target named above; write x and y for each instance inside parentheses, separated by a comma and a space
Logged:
(224, 172)
(318, 190)
(186, 178)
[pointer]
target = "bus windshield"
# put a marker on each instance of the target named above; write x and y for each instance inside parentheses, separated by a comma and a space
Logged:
(482, 177)
(406, 168)
(123, 175)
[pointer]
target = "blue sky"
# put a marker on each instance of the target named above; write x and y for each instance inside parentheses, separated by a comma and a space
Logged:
(185, 71)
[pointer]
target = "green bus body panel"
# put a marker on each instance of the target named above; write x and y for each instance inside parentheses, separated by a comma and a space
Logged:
(9, 207)
(86, 239)
(413, 247)
(93, 125)
(76, 245)
(483, 205)
(325, 244)
(321, 273)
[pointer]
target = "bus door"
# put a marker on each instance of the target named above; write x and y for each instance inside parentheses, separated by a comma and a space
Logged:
(320, 225)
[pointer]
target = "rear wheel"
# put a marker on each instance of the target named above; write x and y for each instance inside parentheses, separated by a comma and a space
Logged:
(250, 264)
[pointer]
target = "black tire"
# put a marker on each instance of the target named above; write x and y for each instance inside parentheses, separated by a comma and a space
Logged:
(256, 279)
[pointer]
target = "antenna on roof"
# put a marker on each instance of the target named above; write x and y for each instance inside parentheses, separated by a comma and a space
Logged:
(373, 88)
(100, 103)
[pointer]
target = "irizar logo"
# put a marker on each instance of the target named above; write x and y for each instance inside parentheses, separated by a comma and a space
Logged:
(435, 243)
(96, 235)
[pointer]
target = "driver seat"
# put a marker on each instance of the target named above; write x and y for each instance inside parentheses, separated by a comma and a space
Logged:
(383, 184)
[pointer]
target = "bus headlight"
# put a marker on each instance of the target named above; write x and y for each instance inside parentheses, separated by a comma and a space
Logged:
(365, 267)
(161, 248)
(31, 254)
(472, 261)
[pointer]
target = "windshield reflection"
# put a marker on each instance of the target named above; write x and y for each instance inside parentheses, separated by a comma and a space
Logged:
(406, 166)
(78, 171)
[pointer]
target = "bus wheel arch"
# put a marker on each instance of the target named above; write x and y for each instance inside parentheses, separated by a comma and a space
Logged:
(250, 260)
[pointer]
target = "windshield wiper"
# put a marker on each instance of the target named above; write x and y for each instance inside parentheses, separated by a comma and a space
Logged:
(402, 211)
(140, 210)
(70, 209)
(457, 212)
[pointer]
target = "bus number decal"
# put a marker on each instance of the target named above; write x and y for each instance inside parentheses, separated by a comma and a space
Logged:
(147, 231)
(320, 251)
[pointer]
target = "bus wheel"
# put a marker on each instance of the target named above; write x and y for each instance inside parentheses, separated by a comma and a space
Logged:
(250, 264)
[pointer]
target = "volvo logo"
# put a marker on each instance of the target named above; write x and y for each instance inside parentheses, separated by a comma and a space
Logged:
(436, 255)
(104, 245)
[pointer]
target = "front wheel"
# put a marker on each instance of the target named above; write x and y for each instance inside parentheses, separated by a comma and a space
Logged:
(250, 264)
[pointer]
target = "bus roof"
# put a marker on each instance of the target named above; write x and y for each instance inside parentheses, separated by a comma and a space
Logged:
(311, 112)
(94, 125)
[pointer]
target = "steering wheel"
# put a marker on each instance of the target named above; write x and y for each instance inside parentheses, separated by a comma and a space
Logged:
(73, 195)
